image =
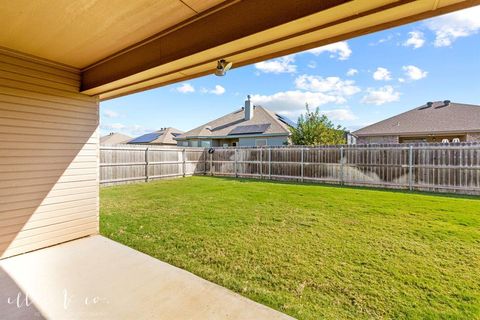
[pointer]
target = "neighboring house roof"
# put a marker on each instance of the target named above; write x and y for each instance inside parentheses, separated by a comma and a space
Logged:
(115, 138)
(162, 136)
(263, 122)
(434, 117)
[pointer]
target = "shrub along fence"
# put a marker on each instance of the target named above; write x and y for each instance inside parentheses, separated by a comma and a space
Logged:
(428, 167)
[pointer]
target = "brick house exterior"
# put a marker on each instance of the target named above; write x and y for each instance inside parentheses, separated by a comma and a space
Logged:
(473, 137)
(377, 140)
(433, 122)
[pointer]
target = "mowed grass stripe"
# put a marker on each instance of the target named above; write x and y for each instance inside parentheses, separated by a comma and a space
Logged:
(311, 251)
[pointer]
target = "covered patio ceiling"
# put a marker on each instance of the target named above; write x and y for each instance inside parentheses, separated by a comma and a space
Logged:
(123, 46)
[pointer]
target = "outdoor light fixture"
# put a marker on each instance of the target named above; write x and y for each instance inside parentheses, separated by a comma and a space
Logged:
(222, 67)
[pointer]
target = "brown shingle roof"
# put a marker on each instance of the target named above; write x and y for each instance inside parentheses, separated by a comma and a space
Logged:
(441, 117)
(165, 137)
(222, 126)
(115, 138)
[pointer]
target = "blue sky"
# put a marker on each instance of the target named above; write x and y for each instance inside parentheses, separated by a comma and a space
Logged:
(356, 82)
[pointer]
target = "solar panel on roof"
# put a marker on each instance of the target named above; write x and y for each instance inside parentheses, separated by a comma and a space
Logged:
(286, 120)
(254, 128)
(146, 138)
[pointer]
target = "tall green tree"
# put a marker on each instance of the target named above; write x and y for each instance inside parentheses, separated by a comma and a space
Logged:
(314, 128)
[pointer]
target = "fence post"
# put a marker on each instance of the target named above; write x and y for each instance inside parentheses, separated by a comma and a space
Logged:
(460, 165)
(261, 162)
(211, 164)
(269, 163)
(205, 162)
(184, 153)
(341, 166)
(416, 162)
(236, 170)
(146, 164)
(302, 164)
(410, 168)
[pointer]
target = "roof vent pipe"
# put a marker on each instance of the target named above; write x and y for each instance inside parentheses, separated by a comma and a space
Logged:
(429, 104)
(446, 103)
(248, 109)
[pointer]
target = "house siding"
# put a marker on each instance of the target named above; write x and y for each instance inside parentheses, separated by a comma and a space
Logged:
(193, 142)
(242, 142)
(470, 137)
(271, 141)
(377, 140)
(48, 156)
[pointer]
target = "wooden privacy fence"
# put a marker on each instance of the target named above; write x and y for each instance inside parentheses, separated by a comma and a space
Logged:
(129, 163)
(429, 167)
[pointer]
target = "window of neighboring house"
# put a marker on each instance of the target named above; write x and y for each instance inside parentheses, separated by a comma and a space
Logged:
(194, 143)
(205, 144)
(184, 143)
(260, 142)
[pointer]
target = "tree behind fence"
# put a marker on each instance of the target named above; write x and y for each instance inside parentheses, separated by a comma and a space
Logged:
(431, 167)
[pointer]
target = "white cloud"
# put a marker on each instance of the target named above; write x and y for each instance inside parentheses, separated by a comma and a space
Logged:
(113, 126)
(343, 114)
(314, 90)
(185, 88)
(280, 65)
(382, 74)
(455, 25)
(110, 114)
(351, 72)
(219, 90)
(293, 102)
(382, 40)
(414, 73)
(131, 130)
(381, 95)
(416, 40)
(330, 85)
(339, 50)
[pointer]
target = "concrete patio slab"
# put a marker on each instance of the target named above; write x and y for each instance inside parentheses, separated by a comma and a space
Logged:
(97, 278)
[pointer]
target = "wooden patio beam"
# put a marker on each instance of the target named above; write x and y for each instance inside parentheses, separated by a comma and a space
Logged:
(233, 21)
(191, 49)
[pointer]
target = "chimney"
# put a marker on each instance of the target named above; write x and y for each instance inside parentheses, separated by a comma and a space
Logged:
(248, 109)
(446, 103)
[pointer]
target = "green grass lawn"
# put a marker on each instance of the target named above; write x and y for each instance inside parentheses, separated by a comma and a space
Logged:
(311, 251)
